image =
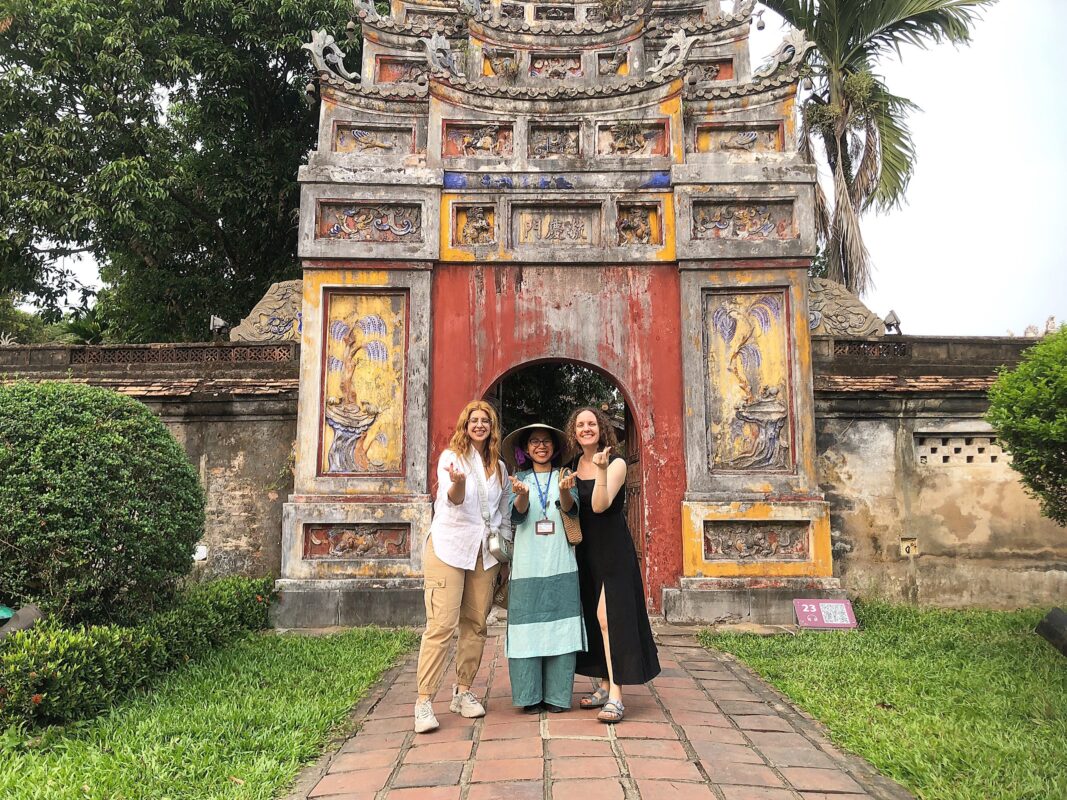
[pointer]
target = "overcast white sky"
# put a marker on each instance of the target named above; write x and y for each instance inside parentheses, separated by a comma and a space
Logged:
(978, 248)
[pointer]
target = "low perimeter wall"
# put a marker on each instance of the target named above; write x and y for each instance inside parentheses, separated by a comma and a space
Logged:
(925, 508)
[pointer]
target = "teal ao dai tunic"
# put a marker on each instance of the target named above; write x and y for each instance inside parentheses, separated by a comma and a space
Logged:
(544, 604)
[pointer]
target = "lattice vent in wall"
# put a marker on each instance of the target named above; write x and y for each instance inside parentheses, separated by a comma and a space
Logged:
(967, 448)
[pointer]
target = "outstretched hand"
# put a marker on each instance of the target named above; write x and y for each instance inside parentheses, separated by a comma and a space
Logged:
(519, 488)
(566, 479)
(602, 459)
(458, 476)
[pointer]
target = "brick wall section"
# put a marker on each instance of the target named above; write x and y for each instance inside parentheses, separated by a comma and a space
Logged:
(881, 405)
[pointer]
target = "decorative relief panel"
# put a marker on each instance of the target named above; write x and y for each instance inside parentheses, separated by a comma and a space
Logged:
(833, 310)
(711, 69)
(752, 221)
(753, 138)
(746, 336)
(959, 449)
(370, 139)
(363, 383)
(356, 541)
(512, 11)
(555, 65)
(474, 225)
(500, 64)
(556, 226)
(554, 13)
(613, 62)
(639, 224)
(388, 69)
(762, 540)
(553, 141)
(274, 318)
(429, 19)
(369, 222)
(632, 139)
(488, 140)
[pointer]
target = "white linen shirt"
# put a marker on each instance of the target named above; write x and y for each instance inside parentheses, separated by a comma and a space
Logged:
(458, 531)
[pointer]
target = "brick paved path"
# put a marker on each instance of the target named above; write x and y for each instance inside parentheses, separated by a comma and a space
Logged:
(705, 728)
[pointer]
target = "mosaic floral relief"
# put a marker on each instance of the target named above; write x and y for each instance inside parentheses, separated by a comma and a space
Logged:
(747, 139)
(553, 141)
(368, 140)
(765, 540)
(552, 66)
(369, 222)
(475, 225)
(639, 224)
(746, 335)
(401, 70)
(363, 383)
(632, 139)
(748, 221)
(477, 140)
(356, 541)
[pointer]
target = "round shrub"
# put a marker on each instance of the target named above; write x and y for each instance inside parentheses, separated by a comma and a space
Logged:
(1028, 409)
(99, 507)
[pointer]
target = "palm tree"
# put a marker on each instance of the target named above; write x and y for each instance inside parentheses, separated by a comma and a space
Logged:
(861, 125)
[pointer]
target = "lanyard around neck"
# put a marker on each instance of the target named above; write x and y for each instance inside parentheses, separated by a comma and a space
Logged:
(543, 495)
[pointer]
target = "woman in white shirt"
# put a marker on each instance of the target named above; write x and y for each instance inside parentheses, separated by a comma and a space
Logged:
(459, 571)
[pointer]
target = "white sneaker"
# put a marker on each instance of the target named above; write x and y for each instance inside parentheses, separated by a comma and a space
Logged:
(425, 721)
(466, 704)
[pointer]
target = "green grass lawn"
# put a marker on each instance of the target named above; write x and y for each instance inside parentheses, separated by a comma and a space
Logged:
(952, 704)
(238, 724)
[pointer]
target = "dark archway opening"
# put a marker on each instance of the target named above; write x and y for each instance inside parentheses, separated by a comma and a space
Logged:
(547, 391)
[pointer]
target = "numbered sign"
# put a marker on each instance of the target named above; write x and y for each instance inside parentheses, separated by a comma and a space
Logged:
(824, 613)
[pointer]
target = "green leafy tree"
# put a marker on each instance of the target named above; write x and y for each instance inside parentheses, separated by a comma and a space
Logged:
(859, 123)
(18, 326)
(547, 392)
(161, 138)
(1028, 409)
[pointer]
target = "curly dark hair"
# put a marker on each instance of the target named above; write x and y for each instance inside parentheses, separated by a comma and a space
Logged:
(607, 430)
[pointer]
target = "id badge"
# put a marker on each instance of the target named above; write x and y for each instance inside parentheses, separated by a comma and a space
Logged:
(545, 527)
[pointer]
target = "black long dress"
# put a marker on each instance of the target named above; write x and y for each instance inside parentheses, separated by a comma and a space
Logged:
(606, 558)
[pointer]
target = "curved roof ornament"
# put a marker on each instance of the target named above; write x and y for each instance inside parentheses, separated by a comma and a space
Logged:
(673, 53)
(327, 56)
(365, 10)
(440, 56)
(791, 52)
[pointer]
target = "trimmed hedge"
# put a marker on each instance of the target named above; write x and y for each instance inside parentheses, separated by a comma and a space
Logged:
(51, 674)
(100, 508)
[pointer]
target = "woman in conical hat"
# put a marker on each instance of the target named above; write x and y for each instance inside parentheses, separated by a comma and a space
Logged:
(545, 628)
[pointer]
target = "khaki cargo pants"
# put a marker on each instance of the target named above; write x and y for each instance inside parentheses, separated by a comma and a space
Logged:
(454, 598)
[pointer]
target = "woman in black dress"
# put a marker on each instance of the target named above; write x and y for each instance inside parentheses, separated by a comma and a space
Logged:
(621, 649)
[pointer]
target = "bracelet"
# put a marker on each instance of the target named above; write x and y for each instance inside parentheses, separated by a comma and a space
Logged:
(600, 484)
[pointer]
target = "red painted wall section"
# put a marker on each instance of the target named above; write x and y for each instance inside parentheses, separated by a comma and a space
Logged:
(489, 320)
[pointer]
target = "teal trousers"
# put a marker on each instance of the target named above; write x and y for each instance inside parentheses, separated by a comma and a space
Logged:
(542, 679)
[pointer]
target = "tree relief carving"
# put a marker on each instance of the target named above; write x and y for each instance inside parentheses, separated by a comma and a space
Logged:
(625, 138)
(363, 383)
(748, 381)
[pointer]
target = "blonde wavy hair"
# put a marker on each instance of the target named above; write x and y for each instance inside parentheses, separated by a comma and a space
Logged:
(461, 442)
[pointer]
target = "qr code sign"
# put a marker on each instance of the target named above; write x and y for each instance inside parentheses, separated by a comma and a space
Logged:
(834, 613)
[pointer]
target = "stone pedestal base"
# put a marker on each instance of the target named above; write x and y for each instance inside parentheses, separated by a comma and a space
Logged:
(764, 601)
(348, 603)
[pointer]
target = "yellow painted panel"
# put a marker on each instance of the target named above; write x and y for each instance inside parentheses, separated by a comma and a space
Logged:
(363, 377)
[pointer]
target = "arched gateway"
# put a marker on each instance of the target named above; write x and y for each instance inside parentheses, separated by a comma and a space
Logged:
(514, 182)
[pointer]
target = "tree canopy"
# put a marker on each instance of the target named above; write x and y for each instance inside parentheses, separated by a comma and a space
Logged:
(1028, 409)
(851, 113)
(163, 139)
